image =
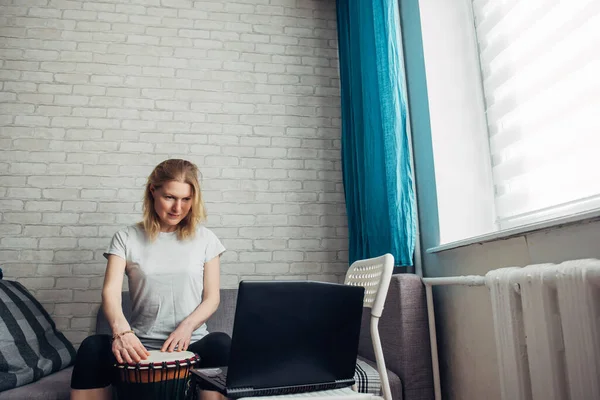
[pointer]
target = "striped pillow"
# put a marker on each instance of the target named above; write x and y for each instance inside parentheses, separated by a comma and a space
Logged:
(30, 345)
(367, 378)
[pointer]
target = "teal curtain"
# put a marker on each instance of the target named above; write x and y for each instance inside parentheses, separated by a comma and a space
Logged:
(376, 157)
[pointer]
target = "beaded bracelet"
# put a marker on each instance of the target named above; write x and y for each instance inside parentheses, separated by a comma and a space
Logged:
(118, 335)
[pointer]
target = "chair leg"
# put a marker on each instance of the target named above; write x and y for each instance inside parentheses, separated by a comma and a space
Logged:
(385, 383)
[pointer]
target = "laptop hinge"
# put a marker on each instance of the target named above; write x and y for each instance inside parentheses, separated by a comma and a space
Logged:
(239, 390)
(250, 392)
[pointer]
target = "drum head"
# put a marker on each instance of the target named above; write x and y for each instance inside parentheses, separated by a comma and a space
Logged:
(162, 356)
(166, 359)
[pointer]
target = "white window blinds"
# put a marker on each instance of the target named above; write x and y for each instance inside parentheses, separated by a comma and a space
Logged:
(540, 63)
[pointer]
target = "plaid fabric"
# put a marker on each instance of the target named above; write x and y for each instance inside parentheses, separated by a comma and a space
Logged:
(367, 378)
(30, 345)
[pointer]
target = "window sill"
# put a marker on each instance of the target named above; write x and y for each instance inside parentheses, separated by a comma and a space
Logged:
(519, 231)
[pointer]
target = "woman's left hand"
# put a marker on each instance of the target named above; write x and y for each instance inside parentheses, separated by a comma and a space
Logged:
(180, 338)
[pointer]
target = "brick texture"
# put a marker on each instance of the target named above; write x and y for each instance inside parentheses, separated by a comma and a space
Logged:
(94, 94)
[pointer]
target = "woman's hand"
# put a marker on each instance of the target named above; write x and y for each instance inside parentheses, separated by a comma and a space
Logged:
(128, 349)
(180, 338)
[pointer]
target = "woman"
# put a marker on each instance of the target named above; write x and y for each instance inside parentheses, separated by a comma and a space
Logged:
(172, 265)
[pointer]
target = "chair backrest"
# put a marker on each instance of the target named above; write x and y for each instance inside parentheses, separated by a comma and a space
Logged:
(374, 274)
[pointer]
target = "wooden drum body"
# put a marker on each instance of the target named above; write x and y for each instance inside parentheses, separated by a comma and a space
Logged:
(161, 376)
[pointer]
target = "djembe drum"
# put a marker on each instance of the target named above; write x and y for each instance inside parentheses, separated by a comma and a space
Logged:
(162, 376)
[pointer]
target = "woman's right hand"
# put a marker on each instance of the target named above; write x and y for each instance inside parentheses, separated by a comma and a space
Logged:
(128, 349)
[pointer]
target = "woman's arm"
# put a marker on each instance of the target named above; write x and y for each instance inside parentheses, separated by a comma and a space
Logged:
(210, 301)
(111, 295)
(210, 295)
(126, 348)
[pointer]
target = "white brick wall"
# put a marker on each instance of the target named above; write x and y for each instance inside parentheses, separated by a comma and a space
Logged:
(94, 94)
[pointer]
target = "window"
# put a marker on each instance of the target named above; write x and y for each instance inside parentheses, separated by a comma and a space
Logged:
(513, 96)
(540, 67)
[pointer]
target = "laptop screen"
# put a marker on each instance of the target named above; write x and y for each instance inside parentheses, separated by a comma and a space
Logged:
(290, 333)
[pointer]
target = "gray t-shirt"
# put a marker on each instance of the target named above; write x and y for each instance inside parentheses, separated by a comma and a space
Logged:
(166, 279)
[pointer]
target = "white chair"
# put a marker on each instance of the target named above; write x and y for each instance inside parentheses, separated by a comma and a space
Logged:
(374, 274)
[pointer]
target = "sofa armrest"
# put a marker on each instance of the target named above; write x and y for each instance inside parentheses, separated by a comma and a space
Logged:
(404, 332)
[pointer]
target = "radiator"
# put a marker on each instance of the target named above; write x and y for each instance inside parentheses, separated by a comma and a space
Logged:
(547, 328)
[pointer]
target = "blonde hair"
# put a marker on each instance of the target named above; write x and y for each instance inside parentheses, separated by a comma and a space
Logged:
(180, 171)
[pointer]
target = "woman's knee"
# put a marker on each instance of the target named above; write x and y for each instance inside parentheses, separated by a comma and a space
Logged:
(93, 364)
(220, 343)
(213, 349)
(219, 339)
(94, 347)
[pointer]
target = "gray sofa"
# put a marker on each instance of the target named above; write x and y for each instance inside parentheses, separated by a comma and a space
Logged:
(403, 328)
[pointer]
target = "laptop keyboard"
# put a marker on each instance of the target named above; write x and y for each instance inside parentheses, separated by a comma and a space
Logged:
(221, 378)
(342, 394)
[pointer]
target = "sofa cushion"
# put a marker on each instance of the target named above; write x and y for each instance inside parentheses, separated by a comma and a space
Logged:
(52, 387)
(30, 345)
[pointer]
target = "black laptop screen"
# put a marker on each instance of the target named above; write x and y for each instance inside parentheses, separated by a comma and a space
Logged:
(289, 333)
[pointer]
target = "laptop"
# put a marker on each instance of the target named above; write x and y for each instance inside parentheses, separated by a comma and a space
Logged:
(290, 337)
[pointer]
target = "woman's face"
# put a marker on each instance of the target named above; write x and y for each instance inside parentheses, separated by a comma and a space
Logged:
(172, 202)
